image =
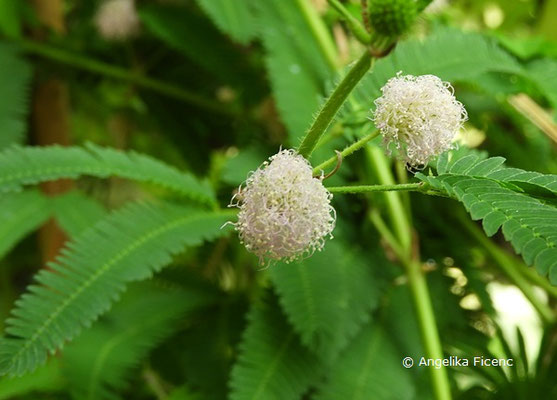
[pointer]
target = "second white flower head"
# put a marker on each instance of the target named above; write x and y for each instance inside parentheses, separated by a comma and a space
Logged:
(285, 213)
(117, 20)
(419, 116)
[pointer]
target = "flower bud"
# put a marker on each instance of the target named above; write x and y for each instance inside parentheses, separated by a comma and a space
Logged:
(117, 20)
(392, 18)
(419, 116)
(285, 213)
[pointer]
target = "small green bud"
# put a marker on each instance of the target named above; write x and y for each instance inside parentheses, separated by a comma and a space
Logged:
(392, 18)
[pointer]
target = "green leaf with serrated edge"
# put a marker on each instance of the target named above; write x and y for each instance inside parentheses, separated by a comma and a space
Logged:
(128, 245)
(99, 362)
(327, 297)
(492, 222)
(369, 368)
(21, 166)
(463, 164)
(479, 209)
(197, 39)
(234, 17)
(521, 202)
(297, 69)
(445, 53)
(443, 162)
(273, 364)
(15, 81)
(546, 260)
(487, 166)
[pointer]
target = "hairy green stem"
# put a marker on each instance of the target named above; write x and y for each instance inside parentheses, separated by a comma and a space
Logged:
(333, 104)
(414, 187)
(352, 22)
(510, 268)
(123, 74)
(402, 177)
(346, 152)
(319, 32)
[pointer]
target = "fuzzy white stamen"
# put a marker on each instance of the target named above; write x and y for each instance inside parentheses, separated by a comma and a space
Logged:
(419, 116)
(117, 20)
(285, 213)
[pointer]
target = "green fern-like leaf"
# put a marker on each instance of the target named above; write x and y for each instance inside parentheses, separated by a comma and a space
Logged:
(233, 17)
(93, 270)
(272, 365)
(327, 297)
(297, 70)
(20, 214)
(21, 166)
(76, 212)
(369, 368)
(197, 39)
(522, 203)
(446, 54)
(14, 88)
(99, 361)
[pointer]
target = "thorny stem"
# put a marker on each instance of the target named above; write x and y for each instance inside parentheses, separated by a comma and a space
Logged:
(333, 104)
(346, 152)
(123, 74)
(410, 187)
(510, 268)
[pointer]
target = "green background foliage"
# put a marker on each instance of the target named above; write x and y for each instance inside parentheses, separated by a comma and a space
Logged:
(151, 295)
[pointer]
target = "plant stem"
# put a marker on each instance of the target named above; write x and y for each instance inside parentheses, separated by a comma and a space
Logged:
(154, 383)
(428, 327)
(91, 65)
(385, 232)
(402, 240)
(347, 151)
(510, 268)
(413, 187)
(333, 104)
(354, 25)
(319, 32)
(395, 207)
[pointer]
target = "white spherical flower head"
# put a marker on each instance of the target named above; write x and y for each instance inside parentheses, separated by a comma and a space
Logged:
(419, 116)
(285, 213)
(117, 20)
